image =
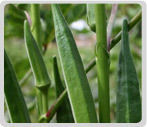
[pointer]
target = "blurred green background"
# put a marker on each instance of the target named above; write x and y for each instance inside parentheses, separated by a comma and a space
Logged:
(75, 14)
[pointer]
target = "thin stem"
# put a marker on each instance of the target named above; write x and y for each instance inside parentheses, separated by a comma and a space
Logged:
(51, 112)
(26, 76)
(102, 63)
(44, 101)
(90, 65)
(131, 24)
(36, 24)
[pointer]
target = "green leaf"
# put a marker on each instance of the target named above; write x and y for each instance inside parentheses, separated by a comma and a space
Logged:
(14, 98)
(14, 19)
(75, 12)
(64, 112)
(16, 12)
(75, 77)
(128, 105)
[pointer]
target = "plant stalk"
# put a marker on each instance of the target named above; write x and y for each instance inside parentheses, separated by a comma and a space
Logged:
(44, 101)
(51, 112)
(36, 24)
(102, 63)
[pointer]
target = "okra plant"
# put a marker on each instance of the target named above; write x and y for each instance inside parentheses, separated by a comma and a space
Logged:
(67, 79)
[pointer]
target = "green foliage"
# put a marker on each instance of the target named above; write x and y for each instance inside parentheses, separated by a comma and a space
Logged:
(55, 100)
(13, 96)
(14, 21)
(128, 96)
(90, 16)
(15, 18)
(76, 12)
(74, 73)
(71, 13)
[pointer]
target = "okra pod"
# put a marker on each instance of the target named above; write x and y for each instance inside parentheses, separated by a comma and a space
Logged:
(15, 102)
(128, 102)
(75, 77)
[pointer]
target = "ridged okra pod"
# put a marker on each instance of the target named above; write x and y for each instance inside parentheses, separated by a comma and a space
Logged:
(14, 99)
(75, 77)
(128, 102)
(64, 112)
(39, 69)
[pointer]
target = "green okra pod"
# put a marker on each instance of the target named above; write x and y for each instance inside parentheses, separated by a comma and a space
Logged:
(40, 73)
(64, 112)
(36, 60)
(75, 77)
(128, 102)
(15, 102)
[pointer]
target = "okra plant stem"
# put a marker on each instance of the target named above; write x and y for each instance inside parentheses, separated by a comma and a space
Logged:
(44, 101)
(117, 38)
(51, 112)
(102, 63)
(36, 24)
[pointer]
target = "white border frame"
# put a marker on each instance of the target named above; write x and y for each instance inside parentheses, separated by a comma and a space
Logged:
(141, 123)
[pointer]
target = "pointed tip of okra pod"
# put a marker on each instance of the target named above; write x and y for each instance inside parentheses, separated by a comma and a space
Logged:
(26, 30)
(54, 58)
(26, 23)
(54, 6)
(125, 25)
(26, 26)
(125, 22)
